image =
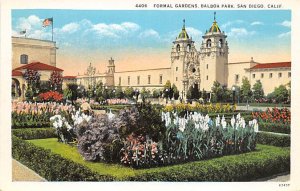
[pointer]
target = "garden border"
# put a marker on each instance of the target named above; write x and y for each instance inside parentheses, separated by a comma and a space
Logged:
(242, 167)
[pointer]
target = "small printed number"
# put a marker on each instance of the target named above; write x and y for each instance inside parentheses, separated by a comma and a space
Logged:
(284, 185)
(141, 5)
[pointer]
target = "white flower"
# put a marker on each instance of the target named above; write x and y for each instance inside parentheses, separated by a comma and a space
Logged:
(223, 122)
(232, 121)
(110, 116)
(218, 120)
(255, 124)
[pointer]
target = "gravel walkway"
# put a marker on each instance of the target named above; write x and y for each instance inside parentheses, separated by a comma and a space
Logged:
(23, 173)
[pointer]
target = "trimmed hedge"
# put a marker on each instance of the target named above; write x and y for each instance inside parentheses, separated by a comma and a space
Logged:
(243, 167)
(51, 166)
(275, 127)
(278, 140)
(24, 125)
(34, 133)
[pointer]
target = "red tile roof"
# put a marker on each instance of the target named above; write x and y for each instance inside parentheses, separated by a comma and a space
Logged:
(272, 65)
(69, 77)
(16, 73)
(38, 66)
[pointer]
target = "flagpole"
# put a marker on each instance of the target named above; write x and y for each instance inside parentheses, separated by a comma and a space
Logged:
(52, 29)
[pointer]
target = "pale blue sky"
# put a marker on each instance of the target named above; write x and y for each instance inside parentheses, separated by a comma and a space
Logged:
(113, 32)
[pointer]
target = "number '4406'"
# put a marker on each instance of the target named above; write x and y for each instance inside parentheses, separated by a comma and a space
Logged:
(141, 5)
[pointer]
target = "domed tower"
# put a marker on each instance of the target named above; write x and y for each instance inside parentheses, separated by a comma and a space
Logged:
(184, 65)
(214, 57)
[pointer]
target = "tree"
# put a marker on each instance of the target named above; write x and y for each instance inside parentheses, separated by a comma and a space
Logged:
(71, 92)
(155, 93)
(245, 92)
(167, 89)
(119, 93)
(217, 91)
(129, 92)
(258, 91)
(175, 92)
(99, 91)
(281, 94)
(289, 90)
(32, 78)
(56, 81)
(145, 94)
(193, 92)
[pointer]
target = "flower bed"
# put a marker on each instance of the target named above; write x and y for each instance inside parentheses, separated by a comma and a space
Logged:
(26, 114)
(51, 96)
(41, 155)
(274, 115)
(274, 120)
(136, 138)
(202, 108)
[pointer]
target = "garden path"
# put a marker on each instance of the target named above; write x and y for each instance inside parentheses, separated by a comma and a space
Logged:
(22, 173)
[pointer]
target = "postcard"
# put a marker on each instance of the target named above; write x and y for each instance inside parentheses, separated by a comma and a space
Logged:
(149, 95)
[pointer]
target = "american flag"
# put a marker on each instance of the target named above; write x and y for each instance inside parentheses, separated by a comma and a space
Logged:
(47, 22)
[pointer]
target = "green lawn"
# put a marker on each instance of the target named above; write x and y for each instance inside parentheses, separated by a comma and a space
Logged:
(262, 153)
(71, 153)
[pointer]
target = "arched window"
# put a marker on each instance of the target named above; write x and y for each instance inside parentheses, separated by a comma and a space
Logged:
(220, 44)
(178, 48)
(208, 43)
(24, 59)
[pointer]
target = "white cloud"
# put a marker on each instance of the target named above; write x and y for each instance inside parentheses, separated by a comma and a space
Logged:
(70, 28)
(240, 32)
(130, 26)
(30, 23)
(257, 23)
(194, 33)
(286, 23)
(283, 35)
(34, 20)
(149, 34)
(114, 30)
(230, 23)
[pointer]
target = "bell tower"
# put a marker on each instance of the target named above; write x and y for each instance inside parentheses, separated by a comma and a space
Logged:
(111, 66)
(183, 61)
(214, 57)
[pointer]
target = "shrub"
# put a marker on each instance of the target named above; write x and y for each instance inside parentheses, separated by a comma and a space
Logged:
(149, 122)
(243, 167)
(33, 133)
(127, 121)
(52, 167)
(275, 127)
(98, 140)
(278, 140)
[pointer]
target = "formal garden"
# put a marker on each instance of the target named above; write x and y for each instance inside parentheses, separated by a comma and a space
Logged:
(125, 137)
(145, 142)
